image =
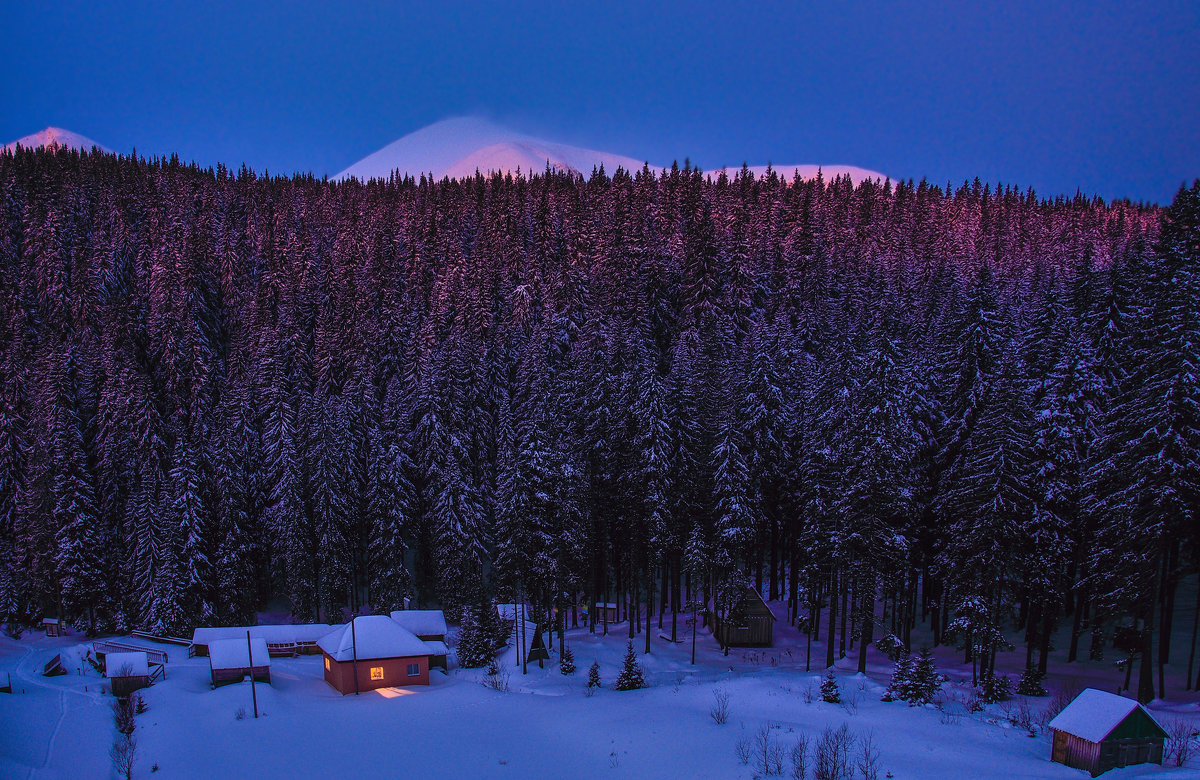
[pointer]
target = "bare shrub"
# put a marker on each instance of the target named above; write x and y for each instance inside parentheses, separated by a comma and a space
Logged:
(122, 754)
(496, 679)
(123, 716)
(742, 748)
(809, 693)
(799, 756)
(831, 759)
(239, 713)
(867, 762)
(1059, 699)
(1019, 715)
(851, 699)
(1181, 740)
(720, 708)
(768, 752)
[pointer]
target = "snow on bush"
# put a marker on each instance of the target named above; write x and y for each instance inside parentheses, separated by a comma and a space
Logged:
(1031, 682)
(631, 677)
(593, 680)
(566, 661)
(830, 692)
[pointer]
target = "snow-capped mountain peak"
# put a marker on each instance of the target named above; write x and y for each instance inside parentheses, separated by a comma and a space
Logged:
(56, 137)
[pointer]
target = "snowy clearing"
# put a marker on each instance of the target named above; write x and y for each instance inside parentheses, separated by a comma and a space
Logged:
(545, 726)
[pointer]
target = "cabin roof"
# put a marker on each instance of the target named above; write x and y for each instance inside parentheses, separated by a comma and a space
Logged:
(126, 665)
(371, 637)
(422, 622)
(235, 654)
(1094, 714)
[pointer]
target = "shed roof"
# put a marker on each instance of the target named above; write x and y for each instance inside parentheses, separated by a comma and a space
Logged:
(233, 653)
(298, 632)
(422, 622)
(126, 665)
(372, 636)
(1093, 714)
(435, 647)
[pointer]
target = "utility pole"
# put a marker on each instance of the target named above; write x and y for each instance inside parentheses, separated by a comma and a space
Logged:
(250, 660)
(354, 653)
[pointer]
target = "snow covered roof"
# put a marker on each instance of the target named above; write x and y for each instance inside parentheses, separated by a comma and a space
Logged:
(300, 632)
(126, 665)
(232, 653)
(509, 611)
(372, 636)
(436, 647)
(422, 622)
(51, 621)
(1094, 714)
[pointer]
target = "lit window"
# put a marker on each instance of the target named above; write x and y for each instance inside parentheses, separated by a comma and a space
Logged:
(376, 672)
(327, 663)
(414, 670)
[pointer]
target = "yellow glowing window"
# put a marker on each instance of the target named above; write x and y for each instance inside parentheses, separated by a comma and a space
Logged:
(327, 663)
(376, 672)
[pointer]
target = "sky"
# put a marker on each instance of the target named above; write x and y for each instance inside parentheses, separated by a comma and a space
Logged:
(1097, 96)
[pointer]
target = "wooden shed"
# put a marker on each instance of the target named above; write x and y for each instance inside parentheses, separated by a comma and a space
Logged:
(127, 672)
(282, 640)
(373, 651)
(1099, 731)
(749, 624)
(52, 626)
(606, 612)
(230, 660)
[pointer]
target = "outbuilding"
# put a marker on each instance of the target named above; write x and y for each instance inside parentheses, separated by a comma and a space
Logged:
(749, 624)
(428, 625)
(126, 672)
(52, 626)
(282, 640)
(373, 651)
(230, 660)
(1099, 731)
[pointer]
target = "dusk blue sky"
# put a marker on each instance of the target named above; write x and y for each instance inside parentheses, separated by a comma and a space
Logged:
(1100, 96)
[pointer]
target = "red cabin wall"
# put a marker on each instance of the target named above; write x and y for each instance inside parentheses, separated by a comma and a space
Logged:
(395, 673)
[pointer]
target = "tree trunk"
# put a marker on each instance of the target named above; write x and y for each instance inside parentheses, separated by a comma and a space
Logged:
(1076, 627)
(1195, 630)
(829, 649)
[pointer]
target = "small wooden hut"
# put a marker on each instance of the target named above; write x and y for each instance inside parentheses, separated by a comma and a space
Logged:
(1099, 731)
(606, 612)
(749, 624)
(126, 672)
(52, 626)
(429, 625)
(230, 660)
(373, 651)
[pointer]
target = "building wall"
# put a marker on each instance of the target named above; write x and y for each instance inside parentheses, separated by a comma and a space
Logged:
(395, 672)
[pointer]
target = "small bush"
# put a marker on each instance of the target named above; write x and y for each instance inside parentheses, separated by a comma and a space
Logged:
(830, 692)
(799, 756)
(1019, 715)
(239, 713)
(593, 680)
(123, 716)
(1030, 683)
(994, 688)
(891, 646)
(809, 693)
(566, 662)
(139, 704)
(867, 761)
(832, 755)
(767, 751)
(742, 748)
(495, 679)
(1181, 740)
(631, 677)
(720, 708)
(122, 754)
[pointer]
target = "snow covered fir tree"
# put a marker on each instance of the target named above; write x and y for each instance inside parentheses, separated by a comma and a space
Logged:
(971, 405)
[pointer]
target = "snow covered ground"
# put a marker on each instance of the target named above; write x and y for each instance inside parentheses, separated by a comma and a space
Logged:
(544, 726)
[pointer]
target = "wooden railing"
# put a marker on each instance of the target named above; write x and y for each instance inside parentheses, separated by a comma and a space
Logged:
(104, 647)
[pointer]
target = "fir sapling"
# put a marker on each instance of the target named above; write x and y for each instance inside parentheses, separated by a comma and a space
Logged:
(830, 691)
(566, 662)
(631, 677)
(593, 678)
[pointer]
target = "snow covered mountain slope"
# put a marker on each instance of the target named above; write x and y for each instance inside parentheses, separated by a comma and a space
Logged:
(458, 147)
(56, 136)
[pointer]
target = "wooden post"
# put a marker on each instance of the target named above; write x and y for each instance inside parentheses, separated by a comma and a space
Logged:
(250, 660)
(693, 630)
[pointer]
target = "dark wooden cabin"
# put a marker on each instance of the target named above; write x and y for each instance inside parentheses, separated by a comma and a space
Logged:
(126, 672)
(230, 660)
(749, 624)
(1099, 731)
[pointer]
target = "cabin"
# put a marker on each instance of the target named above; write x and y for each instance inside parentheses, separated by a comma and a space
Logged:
(428, 625)
(282, 640)
(749, 624)
(230, 660)
(126, 672)
(51, 626)
(606, 612)
(1099, 731)
(373, 651)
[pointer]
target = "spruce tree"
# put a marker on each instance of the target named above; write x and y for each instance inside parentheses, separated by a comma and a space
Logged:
(631, 677)
(566, 661)
(831, 692)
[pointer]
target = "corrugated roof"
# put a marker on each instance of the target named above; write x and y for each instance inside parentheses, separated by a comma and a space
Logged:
(126, 665)
(422, 622)
(234, 654)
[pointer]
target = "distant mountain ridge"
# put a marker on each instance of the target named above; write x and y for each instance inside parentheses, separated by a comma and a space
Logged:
(56, 136)
(457, 148)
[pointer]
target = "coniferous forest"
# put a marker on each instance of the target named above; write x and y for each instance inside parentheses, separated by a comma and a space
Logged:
(890, 405)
